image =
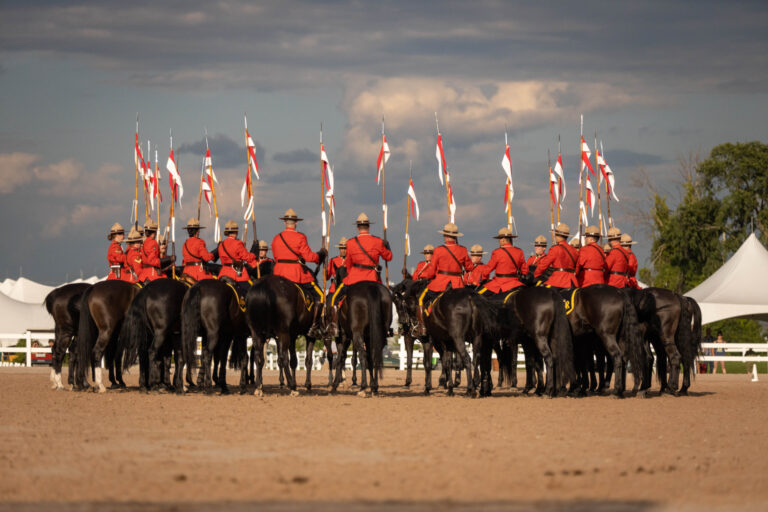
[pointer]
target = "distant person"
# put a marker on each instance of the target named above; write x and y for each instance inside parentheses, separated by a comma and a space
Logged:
(720, 352)
(706, 366)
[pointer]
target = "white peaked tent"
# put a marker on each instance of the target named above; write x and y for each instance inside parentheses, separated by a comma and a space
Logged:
(26, 290)
(738, 288)
(18, 317)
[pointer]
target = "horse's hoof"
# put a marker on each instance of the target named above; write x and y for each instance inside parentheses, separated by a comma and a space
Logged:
(100, 389)
(642, 394)
(243, 390)
(426, 392)
(617, 395)
(683, 392)
(258, 392)
(294, 393)
(224, 391)
(362, 394)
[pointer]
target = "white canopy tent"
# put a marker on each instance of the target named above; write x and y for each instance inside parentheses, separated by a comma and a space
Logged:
(738, 288)
(26, 290)
(18, 317)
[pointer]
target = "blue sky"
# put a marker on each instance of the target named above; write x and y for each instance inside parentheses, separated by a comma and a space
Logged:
(656, 80)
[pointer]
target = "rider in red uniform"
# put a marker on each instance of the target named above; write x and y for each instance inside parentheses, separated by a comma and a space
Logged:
(133, 256)
(234, 256)
(291, 252)
(150, 254)
(590, 267)
(195, 253)
(115, 254)
(539, 249)
(562, 259)
(361, 264)
(508, 262)
(475, 277)
(627, 243)
(427, 252)
(617, 261)
(449, 262)
(335, 270)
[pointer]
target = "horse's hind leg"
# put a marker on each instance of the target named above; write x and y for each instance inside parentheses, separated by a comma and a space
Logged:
(355, 359)
(674, 366)
(98, 352)
(409, 340)
(309, 361)
(60, 345)
(358, 342)
(156, 367)
(543, 346)
(614, 352)
(426, 346)
(513, 355)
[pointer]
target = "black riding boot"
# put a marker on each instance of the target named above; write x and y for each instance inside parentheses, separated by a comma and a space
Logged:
(333, 325)
(316, 331)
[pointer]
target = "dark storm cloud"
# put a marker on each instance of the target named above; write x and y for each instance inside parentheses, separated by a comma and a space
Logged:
(225, 152)
(279, 44)
(626, 159)
(297, 156)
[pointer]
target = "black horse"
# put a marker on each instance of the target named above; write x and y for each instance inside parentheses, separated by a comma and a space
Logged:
(102, 310)
(364, 318)
(538, 320)
(211, 309)
(152, 333)
(609, 313)
(690, 351)
(63, 304)
(277, 308)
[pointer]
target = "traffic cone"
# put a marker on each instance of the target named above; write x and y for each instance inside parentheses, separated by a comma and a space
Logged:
(754, 372)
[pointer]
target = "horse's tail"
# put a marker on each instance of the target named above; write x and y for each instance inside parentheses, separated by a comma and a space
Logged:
(688, 335)
(190, 325)
(490, 316)
(133, 337)
(86, 337)
(561, 344)
(376, 328)
(238, 359)
(260, 309)
(630, 333)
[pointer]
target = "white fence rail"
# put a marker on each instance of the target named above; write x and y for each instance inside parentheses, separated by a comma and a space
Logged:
(710, 352)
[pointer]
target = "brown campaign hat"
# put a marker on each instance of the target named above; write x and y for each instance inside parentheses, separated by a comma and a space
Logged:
(614, 233)
(231, 227)
(290, 214)
(342, 243)
(505, 233)
(627, 240)
(263, 244)
(575, 242)
(133, 236)
(540, 241)
(563, 230)
(476, 250)
(451, 229)
(150, 225)
(592, 231)
(428, 249)
(193, 223)
(363, 220)
(116, 229)
(607, 247)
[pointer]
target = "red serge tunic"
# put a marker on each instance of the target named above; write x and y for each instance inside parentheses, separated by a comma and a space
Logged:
(195, 253)
(475, 277)
(617, 267)
(115, 256)
(286, 263)
(359, 266)
(562, 258)
(233, 251)
(444, 269)
(133, 261)
(332, 270)
(632, 270)
(419, 269)
(533, 261)
(509, 263)
(590, 268)
(150, 261)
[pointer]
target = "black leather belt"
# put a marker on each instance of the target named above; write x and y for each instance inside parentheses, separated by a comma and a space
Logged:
(289, 261)
(593, 269)
(149, 266)
(366, 267)
(564, 270)
(194, 263)
(625, 274)
(446, 273)
(507, 275)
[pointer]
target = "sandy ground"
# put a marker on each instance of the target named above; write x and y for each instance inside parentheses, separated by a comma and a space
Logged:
(398, 451)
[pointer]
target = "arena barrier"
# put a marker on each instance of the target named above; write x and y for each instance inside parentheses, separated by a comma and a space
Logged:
(733, 352)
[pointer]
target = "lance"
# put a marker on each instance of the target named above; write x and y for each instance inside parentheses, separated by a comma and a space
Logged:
(384, 198)
(559, 199)
(157, 186)
(582, 210)
(509, 183)
(171, 215)
(551, 200)
(607, 193)
(599, 177)
(200, 192)
(407, 221)
(136, 158)
(147, 214)
(325, 242)
(447, 174)
(249, 181)
(217, 232)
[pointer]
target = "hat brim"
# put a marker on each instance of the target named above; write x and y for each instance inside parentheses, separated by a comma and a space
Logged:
(478, 253)
(499, 237)
(629, 243)
(364, 223)
(562, 233)
(193, 227)
(295, 219)
(446, 233)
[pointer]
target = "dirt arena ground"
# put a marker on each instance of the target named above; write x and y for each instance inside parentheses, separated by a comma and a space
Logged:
(399, 451)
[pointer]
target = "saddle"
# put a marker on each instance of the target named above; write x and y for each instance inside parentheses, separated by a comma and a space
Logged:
(308, 302)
